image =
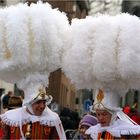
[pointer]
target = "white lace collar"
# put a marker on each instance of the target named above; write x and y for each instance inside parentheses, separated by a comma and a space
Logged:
(117, 129)
(21, 116)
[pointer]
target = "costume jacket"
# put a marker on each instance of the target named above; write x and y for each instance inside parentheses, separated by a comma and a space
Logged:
(22, 125)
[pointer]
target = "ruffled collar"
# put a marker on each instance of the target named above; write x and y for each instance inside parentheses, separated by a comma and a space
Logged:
(20, 116)
(117, 129)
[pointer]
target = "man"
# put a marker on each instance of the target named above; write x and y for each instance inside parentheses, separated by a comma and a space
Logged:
(34, 120)
(113, 123)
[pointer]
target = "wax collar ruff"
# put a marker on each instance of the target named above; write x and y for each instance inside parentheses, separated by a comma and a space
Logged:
(117, 129)
(21, 116)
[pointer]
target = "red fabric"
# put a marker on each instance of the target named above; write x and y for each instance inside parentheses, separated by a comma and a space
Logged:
(136, 119)
(126, 110)
(1, 133)
(38, 131)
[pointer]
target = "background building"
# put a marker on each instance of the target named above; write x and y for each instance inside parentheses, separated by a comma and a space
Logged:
(111, 7)
(131, 6)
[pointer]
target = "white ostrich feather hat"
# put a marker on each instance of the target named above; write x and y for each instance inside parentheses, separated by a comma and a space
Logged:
(32, 43)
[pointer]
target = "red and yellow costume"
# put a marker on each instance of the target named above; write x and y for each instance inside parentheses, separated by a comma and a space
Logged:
(107, 136)
(38, 131)
(46, 126)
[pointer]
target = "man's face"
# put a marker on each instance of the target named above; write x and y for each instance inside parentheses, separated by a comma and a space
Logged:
(38, 107)
(104, 117)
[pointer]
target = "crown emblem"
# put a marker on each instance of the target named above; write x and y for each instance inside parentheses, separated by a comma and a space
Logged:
(41, 93)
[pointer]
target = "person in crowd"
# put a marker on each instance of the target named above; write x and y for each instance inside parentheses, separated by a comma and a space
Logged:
(133, 113)
(135, 116)
(87, 121)
(14, 102)
(5, 99)
(70, 119)
(34, 120)
(127, 109)
(113, 123)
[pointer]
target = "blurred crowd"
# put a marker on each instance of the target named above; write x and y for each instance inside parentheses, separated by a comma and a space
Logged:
(132, 112)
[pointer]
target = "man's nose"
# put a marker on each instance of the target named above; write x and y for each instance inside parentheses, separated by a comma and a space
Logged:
(42, 105)
(100, 117)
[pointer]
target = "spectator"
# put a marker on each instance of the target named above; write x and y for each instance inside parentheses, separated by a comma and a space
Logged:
(87, 121)
(127, 109)
(132, 112)
(70, 119)
(5, 99)
(14, 102)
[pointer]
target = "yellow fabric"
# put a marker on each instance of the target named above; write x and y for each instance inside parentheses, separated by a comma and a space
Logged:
(108, 136)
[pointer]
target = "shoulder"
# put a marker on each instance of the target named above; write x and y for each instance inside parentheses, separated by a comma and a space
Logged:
(13, 117)
(93, 131)
(12, 114)
(50, 114)
(124, 128)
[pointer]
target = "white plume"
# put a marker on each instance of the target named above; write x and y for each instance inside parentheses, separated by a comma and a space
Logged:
(104, 53)
(32, 42)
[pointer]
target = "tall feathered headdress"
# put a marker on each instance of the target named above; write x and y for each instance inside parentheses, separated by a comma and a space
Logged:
(32, 40)
(104, 53)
